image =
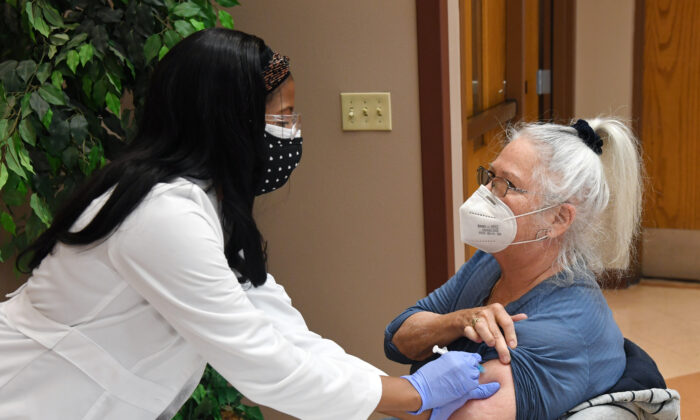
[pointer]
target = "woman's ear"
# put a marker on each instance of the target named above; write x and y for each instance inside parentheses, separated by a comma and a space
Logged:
(562, 220)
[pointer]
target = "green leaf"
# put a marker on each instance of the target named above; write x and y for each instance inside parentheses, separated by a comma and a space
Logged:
(26, 131)
(58, 39)
(34, 227)
(38, 104)
(131, 67)
(52, 16)
(87, 85)
(7, 223)
(3, 129)
(79, 128)
(198, 25)
(25, 106)
(3, 175)
(55, 163)
(52, 94)
(151, 47)
(15, 190)
(43, 72)
(113, 103)
(226, 19)
(187, 9)
(252, 413)
(30, 12)
(94, 158)
(99, 89)
(184, 28)
(86, 52)
(115, 81)
(40, 209)
(76, 40)
(228, 3)
(52, 51)
(70, 157)
(24, 158)
(40, 24)
(199, 393)
(163, 50)
(7, 106)
(13, 163)
(8, 76)
(26, 69)
(171, 38)
(72, 60)
(57, 79)
(46, 119)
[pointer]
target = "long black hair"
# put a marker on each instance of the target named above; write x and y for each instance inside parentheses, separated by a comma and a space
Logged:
(203, 118)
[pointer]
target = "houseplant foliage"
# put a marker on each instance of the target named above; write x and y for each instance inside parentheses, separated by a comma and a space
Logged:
(67, 67)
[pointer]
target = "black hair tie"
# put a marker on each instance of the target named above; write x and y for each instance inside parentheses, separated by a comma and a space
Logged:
(586, 133)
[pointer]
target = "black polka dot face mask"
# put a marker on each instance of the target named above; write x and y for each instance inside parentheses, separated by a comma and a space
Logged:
(283, 155)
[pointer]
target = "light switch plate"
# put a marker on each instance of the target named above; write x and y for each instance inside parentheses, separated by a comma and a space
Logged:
(369, 111)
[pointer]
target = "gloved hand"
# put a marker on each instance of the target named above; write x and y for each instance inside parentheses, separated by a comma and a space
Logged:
(450, 377)
(480, 392)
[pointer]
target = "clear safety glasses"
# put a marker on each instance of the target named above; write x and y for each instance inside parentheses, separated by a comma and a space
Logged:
(499, 185)
(288, 125)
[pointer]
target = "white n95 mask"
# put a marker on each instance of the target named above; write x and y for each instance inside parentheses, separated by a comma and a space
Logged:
(488, 223)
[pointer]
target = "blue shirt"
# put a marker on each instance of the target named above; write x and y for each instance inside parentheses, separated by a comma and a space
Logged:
(569, 347)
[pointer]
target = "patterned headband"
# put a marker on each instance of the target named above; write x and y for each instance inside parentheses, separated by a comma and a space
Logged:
(276, 71)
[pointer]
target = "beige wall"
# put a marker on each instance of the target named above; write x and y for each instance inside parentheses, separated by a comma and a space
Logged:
(346, 236)
(604, 57)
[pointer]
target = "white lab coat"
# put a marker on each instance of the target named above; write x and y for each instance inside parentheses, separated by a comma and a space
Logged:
(122, 329)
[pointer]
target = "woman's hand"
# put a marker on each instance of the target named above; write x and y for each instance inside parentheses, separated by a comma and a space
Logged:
(482, 325)
(421, 331)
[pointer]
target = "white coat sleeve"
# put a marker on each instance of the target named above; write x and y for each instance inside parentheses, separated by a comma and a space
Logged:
(170, 250)
(272, 299)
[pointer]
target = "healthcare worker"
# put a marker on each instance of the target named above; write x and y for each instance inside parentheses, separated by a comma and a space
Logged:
(156, 267)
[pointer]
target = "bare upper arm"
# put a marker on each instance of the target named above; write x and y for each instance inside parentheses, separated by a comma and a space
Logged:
(501, 405)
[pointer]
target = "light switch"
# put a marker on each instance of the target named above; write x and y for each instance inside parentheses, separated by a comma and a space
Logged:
(370, 111)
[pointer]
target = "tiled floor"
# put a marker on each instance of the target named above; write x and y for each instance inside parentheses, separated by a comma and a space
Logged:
(664, 319)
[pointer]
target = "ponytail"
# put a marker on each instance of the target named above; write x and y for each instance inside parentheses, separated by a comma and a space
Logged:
(623, 174)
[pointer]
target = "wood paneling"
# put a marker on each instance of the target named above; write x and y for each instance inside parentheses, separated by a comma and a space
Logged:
(563, 54)
(492, 21)
(670, 113)
(532, 44)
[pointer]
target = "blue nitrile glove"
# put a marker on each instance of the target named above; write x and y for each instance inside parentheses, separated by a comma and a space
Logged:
(481, 392)
(451, 376)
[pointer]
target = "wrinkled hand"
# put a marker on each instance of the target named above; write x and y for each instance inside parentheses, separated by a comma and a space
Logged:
(480, 392)
(451, 376)
(482, 324)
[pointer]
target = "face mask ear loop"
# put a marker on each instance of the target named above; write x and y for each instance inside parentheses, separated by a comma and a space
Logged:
(533, 240)
(533, 212)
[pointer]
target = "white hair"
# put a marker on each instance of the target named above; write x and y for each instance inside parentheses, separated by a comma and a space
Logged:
(605, 189)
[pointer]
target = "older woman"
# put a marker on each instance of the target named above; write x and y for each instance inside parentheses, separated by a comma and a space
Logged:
(557, 206)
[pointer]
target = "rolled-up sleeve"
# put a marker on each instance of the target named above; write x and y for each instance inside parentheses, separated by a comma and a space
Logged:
(550, 372)
(170, 250)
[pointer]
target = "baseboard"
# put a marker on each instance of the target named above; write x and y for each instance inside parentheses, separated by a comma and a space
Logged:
(671, 254)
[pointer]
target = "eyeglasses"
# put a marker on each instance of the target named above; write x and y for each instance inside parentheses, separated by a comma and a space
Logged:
(290, 122)
(499, 185)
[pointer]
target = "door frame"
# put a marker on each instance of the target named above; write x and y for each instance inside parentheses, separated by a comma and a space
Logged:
(434, 104)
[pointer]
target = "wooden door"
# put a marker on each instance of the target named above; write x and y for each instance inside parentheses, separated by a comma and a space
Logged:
(500, 59)
(668, 112)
